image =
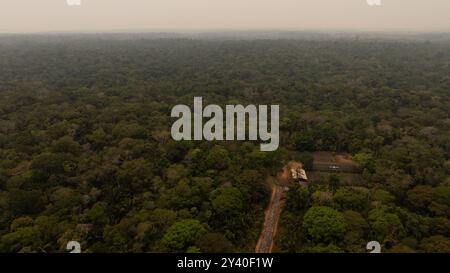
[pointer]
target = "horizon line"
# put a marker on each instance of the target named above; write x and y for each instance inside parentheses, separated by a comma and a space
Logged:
(227, 30)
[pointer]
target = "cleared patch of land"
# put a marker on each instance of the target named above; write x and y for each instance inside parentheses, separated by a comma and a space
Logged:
(334, 162)
(285, 178)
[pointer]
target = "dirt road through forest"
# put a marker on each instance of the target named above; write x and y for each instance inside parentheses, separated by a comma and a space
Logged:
(272, 216)
(273, 211)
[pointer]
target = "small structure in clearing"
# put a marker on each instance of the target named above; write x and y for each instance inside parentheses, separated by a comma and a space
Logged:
(299, 174)
(293, 172)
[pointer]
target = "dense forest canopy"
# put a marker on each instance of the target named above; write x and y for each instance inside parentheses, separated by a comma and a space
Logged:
(86, 152)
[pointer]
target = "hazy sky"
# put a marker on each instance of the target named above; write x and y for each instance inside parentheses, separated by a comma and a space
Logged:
(122, 15)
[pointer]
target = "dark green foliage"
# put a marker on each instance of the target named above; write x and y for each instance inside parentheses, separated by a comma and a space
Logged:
(298, 199)
(86, 152)
(182, 235)
(385, 226)
(352, 198)
(324, 225)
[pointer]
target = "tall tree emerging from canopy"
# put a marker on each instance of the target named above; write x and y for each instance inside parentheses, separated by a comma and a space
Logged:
(183, 235)
(324, 225)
